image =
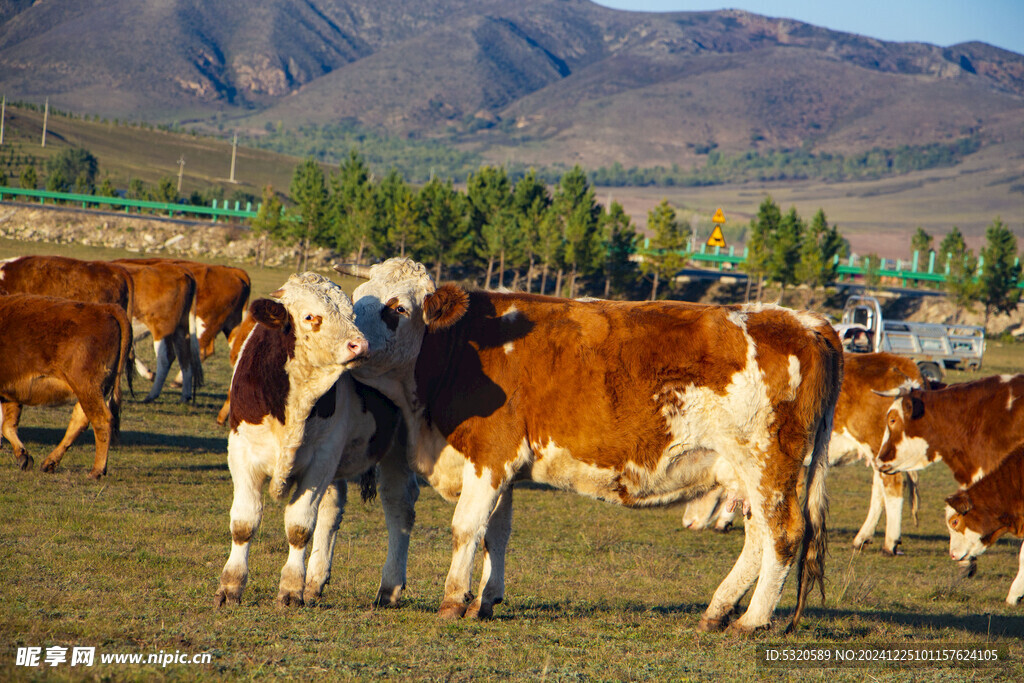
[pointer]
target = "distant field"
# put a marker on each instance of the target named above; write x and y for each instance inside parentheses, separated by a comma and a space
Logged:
(595, 591)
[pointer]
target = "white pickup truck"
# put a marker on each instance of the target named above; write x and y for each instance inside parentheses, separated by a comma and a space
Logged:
(935, 347)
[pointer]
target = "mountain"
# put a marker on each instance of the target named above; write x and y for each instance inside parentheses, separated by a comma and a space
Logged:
(534, 81)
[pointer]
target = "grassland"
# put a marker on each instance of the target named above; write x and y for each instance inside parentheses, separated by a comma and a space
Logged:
(595, 592)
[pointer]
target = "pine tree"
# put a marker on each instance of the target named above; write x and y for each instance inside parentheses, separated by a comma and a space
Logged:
(268, 224)
(354, 208)
(961, 267)
(667, 255)
(400, 211)
(820, 245)
(578, 214)
(489, 197)
(309, 194)
(785, 251)
(445, 230)
(530, 204)
(1000, 272)
(29, 180)
(921, 242)
(619, 241)
(763, 229)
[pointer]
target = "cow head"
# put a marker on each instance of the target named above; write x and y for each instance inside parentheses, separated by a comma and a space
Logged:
(396, 306)
(322, 318)
(903, 447)
(972, 530)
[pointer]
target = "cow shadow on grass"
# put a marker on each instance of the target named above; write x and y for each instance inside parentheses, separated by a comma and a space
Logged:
(44, 439)
(982, 624)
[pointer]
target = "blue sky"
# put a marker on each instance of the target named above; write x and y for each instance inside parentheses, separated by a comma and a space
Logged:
(940, 22)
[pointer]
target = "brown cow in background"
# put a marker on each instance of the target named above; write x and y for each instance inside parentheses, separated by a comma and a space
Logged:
(52, 350)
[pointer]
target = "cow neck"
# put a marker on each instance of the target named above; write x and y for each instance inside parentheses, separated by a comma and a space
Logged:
(999, 492)
(436, 363)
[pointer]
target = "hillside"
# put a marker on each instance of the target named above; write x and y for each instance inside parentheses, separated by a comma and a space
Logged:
(547, 82)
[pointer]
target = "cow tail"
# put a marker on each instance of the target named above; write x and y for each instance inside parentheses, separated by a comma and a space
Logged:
(124, 357)
(810, 569)
(193, 340)
(914, 489)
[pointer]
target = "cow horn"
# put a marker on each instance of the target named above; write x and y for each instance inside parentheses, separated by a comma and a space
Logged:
(353, 269)
(899, 392)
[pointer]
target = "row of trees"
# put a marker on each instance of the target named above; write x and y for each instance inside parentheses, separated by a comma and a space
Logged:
(518, 234)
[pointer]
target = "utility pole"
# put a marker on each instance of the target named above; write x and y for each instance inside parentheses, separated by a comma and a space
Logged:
(181, 170)
(3, 112)
(46, 115)
(234, 149)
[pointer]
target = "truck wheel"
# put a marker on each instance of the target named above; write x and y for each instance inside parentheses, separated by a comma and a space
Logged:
(930, 371)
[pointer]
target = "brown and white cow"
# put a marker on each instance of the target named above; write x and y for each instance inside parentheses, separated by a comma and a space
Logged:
(627, 402)
(990, 507)
(969, 426)
(856, 435)
(235, 342)
(298, 419)
(164, 306)
(53, 350)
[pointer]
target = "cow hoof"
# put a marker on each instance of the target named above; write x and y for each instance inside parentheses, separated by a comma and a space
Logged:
(478, 610)
(452, 610)
(49, 466)
(149, 399)
(387, 597)
(725, 529)
(227, 596)
(895, 552)
(708, 625)
(97, 475)
(969, 569)
(312, 592)
(859, 543)
(25, 462)
(290, 599)
(739, 628)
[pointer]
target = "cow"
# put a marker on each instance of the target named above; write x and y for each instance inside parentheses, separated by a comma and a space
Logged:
(969, 426)
(856, 435)
(235, 342)
(222, 293)
(164, 305)
(95, 282)
(298, 419)
(53, 350)
(990, 507)
(586, 396)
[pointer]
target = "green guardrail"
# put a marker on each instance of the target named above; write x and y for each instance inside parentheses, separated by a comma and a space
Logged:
(86, 201)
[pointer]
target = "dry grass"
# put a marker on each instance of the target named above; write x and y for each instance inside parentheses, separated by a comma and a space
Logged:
(595, 592)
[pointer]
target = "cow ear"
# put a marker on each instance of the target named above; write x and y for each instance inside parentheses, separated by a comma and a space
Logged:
(959, 502)
(270, 313)
(445, 307)
(916, 407)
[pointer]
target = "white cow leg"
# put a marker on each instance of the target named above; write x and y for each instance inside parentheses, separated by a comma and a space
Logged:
(867, 530)
(332, 508)
(299, 524)
(246, 513)
(779, 534)
(164, 357)
(492, 579)
(398, 493)
(892, 486)
(1017, 587)
(476, 503)
(739, 580)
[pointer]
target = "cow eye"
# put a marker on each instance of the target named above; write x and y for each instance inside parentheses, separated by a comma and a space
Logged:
(309, 316)
(955, 522)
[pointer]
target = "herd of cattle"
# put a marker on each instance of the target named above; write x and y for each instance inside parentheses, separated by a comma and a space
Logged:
(739, 410)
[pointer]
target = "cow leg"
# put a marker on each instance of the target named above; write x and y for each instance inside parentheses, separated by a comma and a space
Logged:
(299, 524)
(1017, 587)
(739, 580)
(492, 579)
(225, 411)
(328, 519)
(180, 344)
(164, 358)
(476, 503)
(892, 485)
(246, 513)
(9, 430)
(139, 332)
(784, 529)
(398, 493)
(99, 415)
(867, 529)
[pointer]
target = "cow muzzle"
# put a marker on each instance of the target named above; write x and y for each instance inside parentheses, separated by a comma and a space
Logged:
(356, 348)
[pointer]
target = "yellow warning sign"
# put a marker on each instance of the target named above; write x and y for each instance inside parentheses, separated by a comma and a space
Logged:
(717, 239)
(719, 217)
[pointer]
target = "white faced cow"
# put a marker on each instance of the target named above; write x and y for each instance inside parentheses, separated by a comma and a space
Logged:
(299, 420)
(627, 402)
(992, 506)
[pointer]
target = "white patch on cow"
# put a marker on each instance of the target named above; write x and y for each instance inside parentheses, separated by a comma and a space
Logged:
(509, 347)
(200, 327)
(963, 546)
(978, 474)
(843, 447)
(1006, 378)
(1009, 401)
(510, 315)
(556, 465)
(794, 376)
(911, 454)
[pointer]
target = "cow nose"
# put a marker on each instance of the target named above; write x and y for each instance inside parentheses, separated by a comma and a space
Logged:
(358, 347)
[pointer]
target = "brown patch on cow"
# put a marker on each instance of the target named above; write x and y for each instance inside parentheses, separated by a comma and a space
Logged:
(893, 484)
(298, 536)
(260, 384)
(994, 504)
(241, 532)
(392, 313)
(861, 411)
(270, 313)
